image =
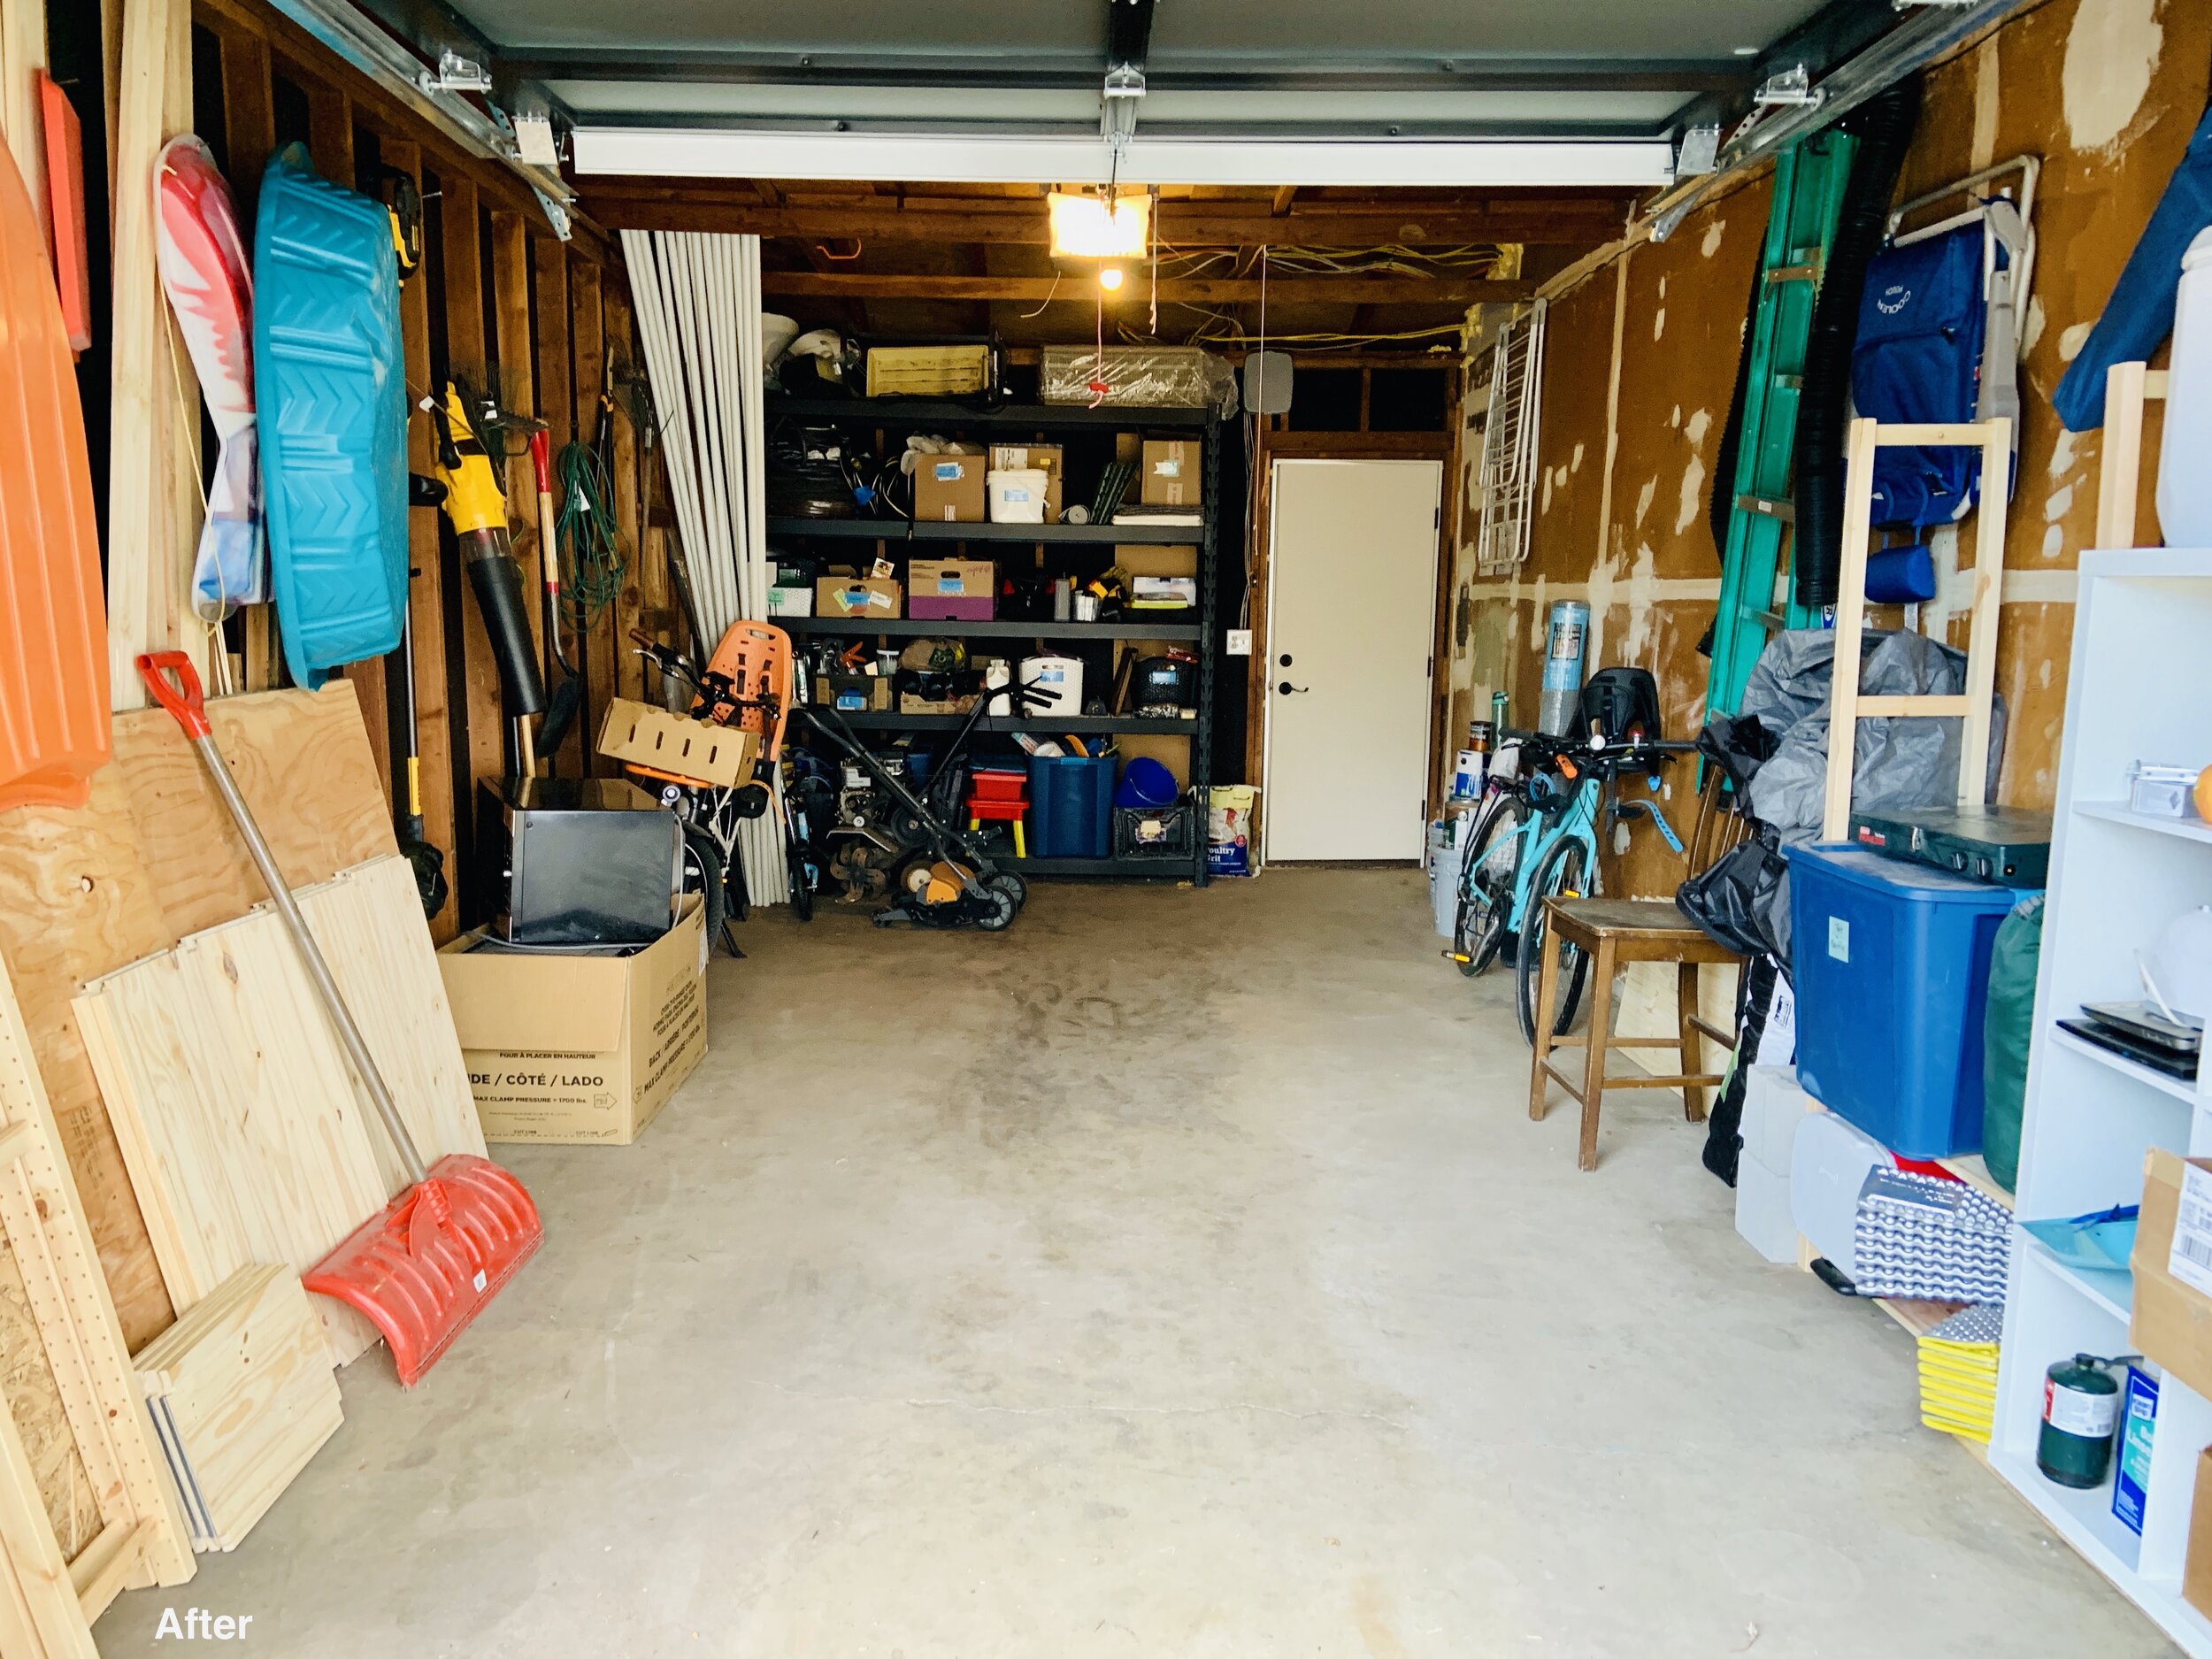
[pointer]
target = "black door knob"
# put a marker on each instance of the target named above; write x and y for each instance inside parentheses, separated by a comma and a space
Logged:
(1287, 688)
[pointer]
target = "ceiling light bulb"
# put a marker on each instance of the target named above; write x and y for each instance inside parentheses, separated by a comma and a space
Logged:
(1110, 276)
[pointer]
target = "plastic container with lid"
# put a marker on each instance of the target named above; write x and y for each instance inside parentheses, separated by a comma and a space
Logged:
(1018, 496)
(1071, 806)
(1890, 963)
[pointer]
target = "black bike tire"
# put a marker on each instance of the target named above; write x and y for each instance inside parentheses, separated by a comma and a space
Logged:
(713, 881)
(1476, 955)
(1528, 954)
(794, 868)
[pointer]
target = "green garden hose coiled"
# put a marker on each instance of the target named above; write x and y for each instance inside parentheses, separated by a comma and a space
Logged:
(591, 561)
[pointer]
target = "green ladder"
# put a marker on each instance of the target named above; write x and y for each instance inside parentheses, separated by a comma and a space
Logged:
(1809, 180)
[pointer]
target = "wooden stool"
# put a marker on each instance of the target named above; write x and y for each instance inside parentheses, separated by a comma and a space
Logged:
(1614, 933)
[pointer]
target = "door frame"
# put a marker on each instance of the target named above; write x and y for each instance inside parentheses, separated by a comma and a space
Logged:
(1273, 442)
(1259, 725)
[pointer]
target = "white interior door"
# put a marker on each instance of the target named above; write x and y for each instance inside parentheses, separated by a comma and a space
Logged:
(1351, 620)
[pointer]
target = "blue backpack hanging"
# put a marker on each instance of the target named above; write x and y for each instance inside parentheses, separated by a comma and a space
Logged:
(1921, 328)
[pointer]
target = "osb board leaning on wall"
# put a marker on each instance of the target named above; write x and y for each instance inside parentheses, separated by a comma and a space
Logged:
(2106, 93)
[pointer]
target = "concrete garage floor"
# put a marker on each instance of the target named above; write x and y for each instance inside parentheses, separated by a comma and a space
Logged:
(1179, 1274)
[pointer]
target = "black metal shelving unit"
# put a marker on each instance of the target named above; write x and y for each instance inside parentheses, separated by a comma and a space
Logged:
(910, 628)
(1044, 421)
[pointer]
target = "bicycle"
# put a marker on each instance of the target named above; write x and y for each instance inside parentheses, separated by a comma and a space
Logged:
(1538, 840)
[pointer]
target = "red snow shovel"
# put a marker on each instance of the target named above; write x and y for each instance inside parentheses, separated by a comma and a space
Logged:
(445, 1247)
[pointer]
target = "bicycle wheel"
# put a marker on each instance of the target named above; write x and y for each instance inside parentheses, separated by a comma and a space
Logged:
(1564, 870)
(1486, 884)
(704, 874)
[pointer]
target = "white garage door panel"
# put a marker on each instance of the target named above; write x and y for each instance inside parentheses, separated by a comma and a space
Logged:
(1352, 603)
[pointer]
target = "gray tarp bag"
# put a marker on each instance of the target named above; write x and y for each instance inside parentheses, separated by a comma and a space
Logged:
(1898, 762)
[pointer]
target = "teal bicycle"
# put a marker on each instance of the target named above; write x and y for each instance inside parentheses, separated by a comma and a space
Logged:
(1536, 838)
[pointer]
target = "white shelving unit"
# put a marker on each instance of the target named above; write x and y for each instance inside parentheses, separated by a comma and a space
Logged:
(2141, 621)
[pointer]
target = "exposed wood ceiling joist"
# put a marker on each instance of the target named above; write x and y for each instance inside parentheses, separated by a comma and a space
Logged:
(702, 205)
(1298, 290)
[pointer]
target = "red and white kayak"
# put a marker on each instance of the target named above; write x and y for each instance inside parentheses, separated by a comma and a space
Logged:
(204, 272)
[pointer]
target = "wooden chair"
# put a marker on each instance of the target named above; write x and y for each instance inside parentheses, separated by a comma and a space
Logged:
(1614, 933)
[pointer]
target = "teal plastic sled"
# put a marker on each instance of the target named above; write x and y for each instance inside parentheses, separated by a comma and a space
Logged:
(331, 388)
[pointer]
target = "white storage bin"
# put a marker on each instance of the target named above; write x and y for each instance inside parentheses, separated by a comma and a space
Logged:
(1775, 1104)
(1762, 1211)
(1828, 1165)
(1018, 497)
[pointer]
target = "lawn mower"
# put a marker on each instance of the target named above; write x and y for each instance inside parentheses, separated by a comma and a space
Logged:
(942, 876)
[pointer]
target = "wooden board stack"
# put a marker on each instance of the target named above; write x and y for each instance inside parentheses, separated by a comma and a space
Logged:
(248, 1138)
(241, 1395)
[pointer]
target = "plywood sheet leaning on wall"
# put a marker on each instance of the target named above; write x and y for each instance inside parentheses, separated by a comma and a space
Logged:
(71, 1349)
(149, 858)
(247, 1135)
(241, 1396)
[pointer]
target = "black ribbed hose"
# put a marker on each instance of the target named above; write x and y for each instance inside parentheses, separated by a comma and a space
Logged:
(1884, 126)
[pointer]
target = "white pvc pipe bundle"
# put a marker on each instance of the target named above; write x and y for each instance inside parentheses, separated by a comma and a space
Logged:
(697, 299)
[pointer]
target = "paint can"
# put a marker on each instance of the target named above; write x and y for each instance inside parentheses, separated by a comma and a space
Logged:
(2081, 1408)
(1467, 773)
(1562, 666)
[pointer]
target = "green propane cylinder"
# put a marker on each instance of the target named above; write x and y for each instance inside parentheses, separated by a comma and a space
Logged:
(2081, 1408)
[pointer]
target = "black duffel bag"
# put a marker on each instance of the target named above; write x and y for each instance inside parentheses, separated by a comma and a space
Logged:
(1743, 902)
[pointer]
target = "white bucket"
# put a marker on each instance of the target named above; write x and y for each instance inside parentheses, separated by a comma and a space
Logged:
(1018, 497)
(1061, 677)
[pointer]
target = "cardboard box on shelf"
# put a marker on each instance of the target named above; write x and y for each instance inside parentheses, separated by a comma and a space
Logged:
(676, 746)
(1171, 475)
(582, 1048)
(941, 590)
(862, 598)
(948, 488)
(2196, 1567)
(1049, 458)
(914, 702)
(2172, 1320)
(854, 694)
(791, 601)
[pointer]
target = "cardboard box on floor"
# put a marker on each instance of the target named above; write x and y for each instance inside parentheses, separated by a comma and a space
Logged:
(582, 1049)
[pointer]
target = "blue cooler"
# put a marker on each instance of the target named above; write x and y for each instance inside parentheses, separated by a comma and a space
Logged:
(1071, 806)
(1890, 964)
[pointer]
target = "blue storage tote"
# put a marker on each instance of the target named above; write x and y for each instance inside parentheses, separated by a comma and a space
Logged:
(1071, 806)
(1890, 964)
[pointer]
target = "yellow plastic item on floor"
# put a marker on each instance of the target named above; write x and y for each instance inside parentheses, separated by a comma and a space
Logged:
(1958, 1373)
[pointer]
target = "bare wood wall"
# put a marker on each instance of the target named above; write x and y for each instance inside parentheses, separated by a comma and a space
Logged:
(500, 300)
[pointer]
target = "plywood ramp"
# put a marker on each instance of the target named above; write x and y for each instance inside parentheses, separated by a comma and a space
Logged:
(248, 1138)
(149, 858)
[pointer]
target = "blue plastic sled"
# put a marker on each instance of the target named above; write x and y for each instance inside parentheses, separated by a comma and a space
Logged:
(331, 391)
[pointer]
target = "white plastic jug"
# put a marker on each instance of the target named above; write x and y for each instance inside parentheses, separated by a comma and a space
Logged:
(2185, 484)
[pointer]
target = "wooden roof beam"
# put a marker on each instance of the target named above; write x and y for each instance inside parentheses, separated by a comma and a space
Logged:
(653, 204)
(1281, 290)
